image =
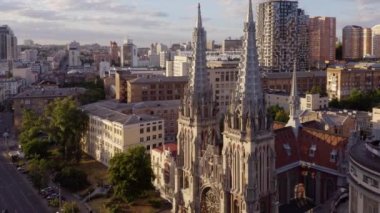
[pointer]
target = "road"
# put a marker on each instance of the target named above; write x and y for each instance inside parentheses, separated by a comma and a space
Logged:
(16, 192)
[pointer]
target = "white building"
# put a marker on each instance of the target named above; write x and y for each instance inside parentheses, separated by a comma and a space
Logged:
(29, 55)
(74, 54)
(163, 166)
(314, 102)
(104, 69)
(110, 132)
(181, 65)
(169, 68)
(12, 86)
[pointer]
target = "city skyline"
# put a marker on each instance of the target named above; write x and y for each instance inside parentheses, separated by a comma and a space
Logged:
(167, 21)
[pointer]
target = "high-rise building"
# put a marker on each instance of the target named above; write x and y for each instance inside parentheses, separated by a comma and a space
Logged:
(237, 175)
(282, 36)
(74, 54)
(8, 43)
(352, 42)
(129, 54)
(231, 45)
(322, 37)
(367, 42)
(114, 53)
(376, 41)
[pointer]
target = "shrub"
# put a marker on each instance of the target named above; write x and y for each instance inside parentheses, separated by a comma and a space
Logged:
(72, 178)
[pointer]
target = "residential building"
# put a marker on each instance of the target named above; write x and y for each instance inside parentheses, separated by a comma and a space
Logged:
(129, 54)
(8, 44)
(111, 132)
(156, 88)
(163, 163)
(29, 55)
(367, 42)
(104, 69)
(181, 65)
(26, 73)
(364, 177)
(376, 41)
(231, 176)
(282, 36)
(322, 37)
(231, 45)
(281, 99)
(37, 99)
(74, 54)
(341, 81)
(169, 68)
(314, 102)
(12, 86)
(352, 42)
(283, 81)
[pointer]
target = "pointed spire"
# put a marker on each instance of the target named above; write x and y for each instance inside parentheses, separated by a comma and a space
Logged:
(250, 13)
(294, 120)
(199, 20)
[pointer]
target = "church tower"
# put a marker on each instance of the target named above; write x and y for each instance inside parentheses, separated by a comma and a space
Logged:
(248, 149)
(196, 180)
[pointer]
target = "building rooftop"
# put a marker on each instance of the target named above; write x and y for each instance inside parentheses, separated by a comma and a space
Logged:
(116, 116)
(50, 92)
(171, 147)
(288, 75)
(365, 154)
(142, 80)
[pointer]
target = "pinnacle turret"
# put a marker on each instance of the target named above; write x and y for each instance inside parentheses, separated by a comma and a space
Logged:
(294, 103)
(199, 20)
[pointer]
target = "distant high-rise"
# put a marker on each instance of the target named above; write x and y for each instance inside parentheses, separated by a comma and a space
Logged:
(114, 53)
(322, 37)
(367, 42)
(128, 54)
(282, 36)
(352, 42)
(8, 43)
(74, 54)
(376, 41)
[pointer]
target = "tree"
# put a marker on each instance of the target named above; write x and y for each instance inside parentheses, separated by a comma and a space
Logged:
(131, 174)
(66, 126)
(36, 148)
(70, 207)
(38, 172)
(31, 126)
(281, 116)
(72, 178)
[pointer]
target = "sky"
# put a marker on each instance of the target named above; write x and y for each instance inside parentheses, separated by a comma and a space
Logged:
(150, 21)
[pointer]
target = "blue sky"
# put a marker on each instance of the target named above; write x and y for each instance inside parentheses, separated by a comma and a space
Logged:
(148, 21)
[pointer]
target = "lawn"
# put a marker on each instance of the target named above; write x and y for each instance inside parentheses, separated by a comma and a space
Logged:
(96, 172)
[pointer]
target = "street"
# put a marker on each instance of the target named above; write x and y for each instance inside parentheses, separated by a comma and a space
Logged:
(16, 192)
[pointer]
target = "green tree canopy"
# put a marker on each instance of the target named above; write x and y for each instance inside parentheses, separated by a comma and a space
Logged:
(70, 207)
(281, 116)
(36, 147)
(131, 174)
(38, 172)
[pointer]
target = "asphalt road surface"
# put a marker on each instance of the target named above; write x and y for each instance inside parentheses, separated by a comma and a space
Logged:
(16, 192)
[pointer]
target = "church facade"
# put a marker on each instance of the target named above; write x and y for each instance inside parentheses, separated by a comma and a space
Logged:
(225, 165)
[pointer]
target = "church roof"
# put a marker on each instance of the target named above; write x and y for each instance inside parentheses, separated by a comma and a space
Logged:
(172, 147)
(312, 146)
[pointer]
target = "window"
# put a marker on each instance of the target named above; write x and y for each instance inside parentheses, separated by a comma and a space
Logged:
(154, 128)
(312, 150)
(148, 129)
(141, 140)
(333, 156)
(141, 130)
(287, 149)
(154, 137)
(148, 138)
(159, 127)
(159, 135)
(366, 179)
(375, 183)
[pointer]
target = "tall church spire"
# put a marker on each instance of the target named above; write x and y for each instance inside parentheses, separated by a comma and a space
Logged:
(294, 103)
(248, 99)
(198, 97)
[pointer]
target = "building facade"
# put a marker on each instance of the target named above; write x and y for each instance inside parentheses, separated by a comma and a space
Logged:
(352, 42)
(367, 42)
(110, 132)
(8, 43)
(364, 177)
(128, 54)
(376, 41)
(238, 174)
(114, 53)
(181, 66)
(341, 81)
(322, 37)
(282, 36)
